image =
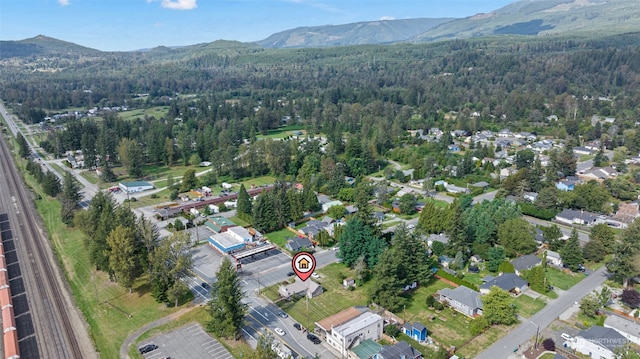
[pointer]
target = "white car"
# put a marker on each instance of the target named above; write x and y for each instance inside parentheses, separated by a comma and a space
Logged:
(411, 226)
(315, 275)
(279, 331)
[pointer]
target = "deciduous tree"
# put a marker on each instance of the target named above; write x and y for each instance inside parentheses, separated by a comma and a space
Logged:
(498, 307)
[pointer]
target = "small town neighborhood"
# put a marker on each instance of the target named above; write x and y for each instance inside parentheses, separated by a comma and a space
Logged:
(415, 188)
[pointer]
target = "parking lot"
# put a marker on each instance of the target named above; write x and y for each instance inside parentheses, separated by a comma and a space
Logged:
(187, 342)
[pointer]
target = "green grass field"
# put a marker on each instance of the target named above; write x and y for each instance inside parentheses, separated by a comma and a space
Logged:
(563, 280)
(157, 112)
(284, 132)
(528, 306)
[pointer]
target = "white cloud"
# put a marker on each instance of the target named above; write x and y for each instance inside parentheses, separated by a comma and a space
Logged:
(387, 18)
(179, 4)
(64, 2)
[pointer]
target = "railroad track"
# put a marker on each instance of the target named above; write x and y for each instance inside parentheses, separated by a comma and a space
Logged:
(55, 332)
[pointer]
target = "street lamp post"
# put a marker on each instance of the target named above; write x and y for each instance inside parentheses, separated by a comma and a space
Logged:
(535, 345)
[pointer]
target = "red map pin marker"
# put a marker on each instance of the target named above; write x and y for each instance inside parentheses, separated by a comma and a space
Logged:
(303, 265)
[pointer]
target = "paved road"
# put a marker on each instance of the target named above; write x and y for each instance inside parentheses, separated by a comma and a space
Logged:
(526, 330)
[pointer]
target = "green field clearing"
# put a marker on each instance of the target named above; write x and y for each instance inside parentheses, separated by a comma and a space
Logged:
(90, 176)
(284, 132)
(157, 112)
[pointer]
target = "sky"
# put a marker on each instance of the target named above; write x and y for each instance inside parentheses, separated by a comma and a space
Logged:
(124, 25)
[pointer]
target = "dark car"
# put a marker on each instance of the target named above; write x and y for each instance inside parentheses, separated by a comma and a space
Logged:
(289, 274)
(205, 285)
(297, 326)
(147, 348)
(313, 339)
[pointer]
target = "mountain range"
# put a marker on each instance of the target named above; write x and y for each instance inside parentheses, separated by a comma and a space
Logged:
(531, 18)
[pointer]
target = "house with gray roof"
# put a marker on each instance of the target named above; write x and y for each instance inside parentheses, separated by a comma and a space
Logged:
(598, 342)
(401, 349)
(510, 282)
(526, 262)
(464, 300)
(627, 328)
(572, 216)
(295, 244)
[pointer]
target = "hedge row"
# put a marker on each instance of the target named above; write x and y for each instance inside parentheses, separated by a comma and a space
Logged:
(530, 210)
(444, 275)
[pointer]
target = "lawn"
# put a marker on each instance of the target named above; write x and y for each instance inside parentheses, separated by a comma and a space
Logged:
(547, 356)
(157, 112)
(112, 313)
(333, 300)
(562, 280)
(279, 238)
(283, 132)
(528, 306)
(90, 176)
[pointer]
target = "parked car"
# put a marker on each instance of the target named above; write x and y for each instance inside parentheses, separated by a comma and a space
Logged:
(289, 274)
(313, 339)
(147, 348)
(315, 275)
(283, 315)
(297, 326)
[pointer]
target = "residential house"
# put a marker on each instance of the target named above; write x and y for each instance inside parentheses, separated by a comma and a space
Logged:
(299, 288)
(296, 244)
(530, 196)
(525, 262)
(582, 151)
(400, 350)
(475, 258)
(323, 327)
(464, 300)
(416, 331)
(541, 146)
(445, 261)
(443, 238)
(459, 133)
(598, 174)
(505, 132)
(314, 227)
(346, 336)
(506, 172)
(378, 216)
(454, 148)
(327, 205)
(629, 329)
(566, 184)
(554, 258)
(365, 350)
(510, 282)
(455, 189)
(598, 342)
(627, 212)
(572, 216)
